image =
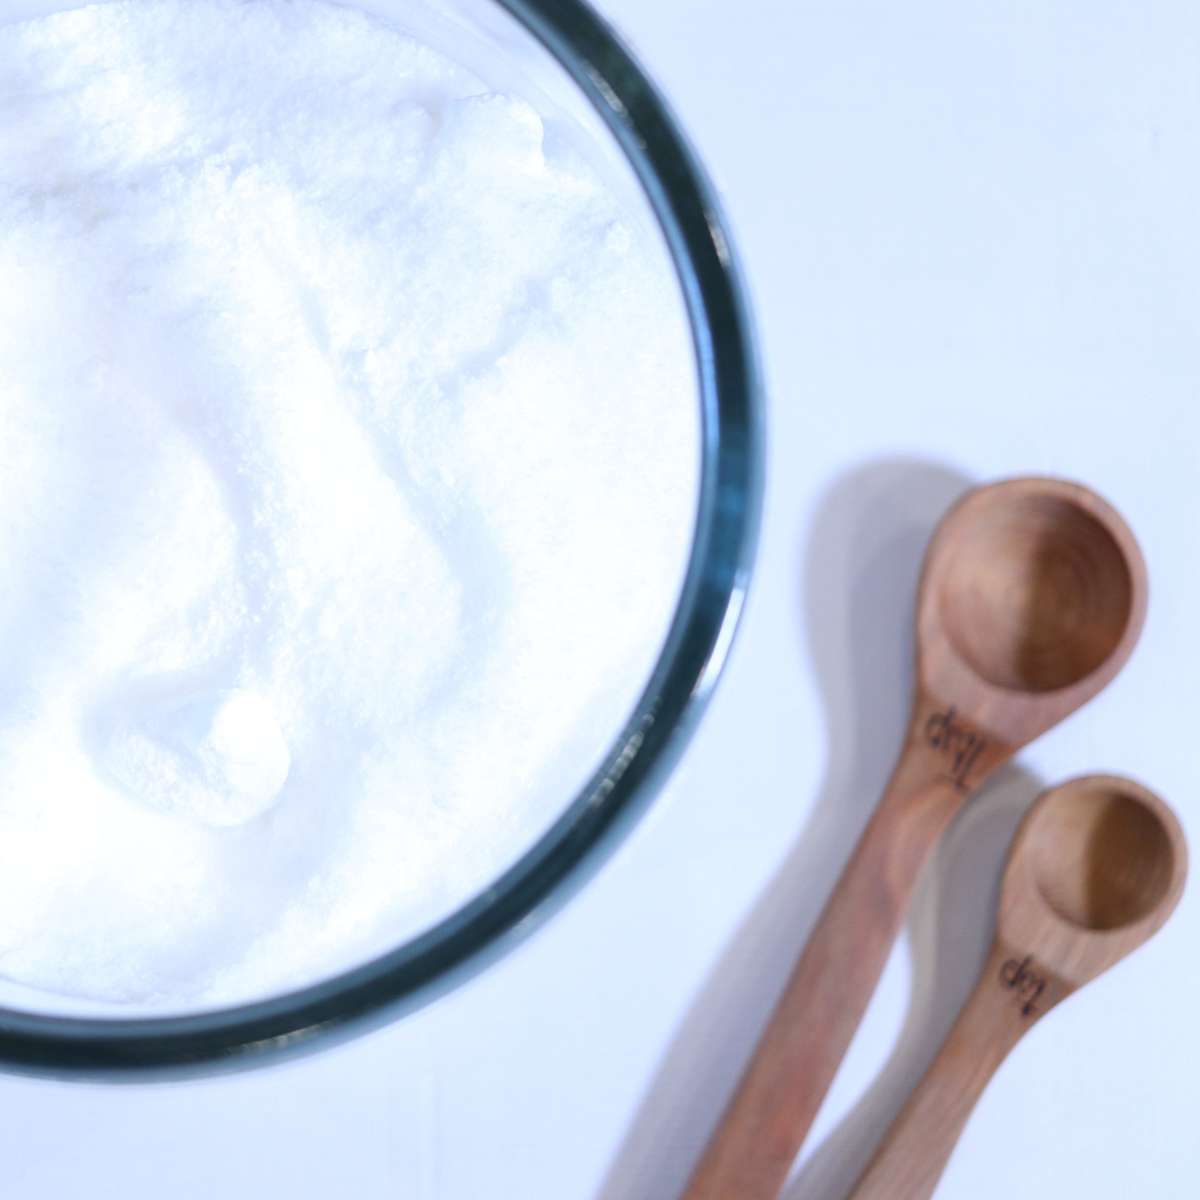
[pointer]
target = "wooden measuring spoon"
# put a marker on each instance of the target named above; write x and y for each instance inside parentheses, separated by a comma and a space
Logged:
(1095, 869)
(1032, 596)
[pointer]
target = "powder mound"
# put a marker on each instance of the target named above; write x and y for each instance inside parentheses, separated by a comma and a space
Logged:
(219, 759)
(348, 464)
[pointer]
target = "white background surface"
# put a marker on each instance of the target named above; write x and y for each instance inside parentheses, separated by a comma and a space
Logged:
(970, 229)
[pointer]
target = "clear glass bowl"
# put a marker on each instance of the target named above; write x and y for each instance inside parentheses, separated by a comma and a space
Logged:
(585, 73)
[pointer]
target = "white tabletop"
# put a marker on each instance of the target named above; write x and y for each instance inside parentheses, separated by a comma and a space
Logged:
(971, 234)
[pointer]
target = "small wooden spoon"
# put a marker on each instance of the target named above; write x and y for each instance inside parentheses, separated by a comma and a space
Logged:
(1095, 869)
(1032, 596)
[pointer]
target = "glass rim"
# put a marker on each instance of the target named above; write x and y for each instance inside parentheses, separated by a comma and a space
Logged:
(701, 631)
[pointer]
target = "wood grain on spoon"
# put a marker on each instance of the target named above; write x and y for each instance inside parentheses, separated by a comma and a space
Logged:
(1032, 596)
(1096, 868)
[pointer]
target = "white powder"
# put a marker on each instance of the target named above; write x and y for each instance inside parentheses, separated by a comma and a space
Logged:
(348, 455)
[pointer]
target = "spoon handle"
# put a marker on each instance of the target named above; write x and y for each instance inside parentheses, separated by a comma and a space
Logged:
(755, 1143)
(1010, 997)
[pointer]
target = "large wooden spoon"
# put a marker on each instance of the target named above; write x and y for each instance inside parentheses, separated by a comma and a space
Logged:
(1095, 869)
(1032, 596)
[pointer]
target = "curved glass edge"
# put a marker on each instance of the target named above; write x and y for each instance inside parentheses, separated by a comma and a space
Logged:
(695, 651)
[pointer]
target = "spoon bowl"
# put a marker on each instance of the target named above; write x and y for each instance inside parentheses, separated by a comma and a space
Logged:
(1095, 869)
(1039, 595)
(1032, 598)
